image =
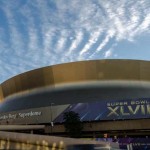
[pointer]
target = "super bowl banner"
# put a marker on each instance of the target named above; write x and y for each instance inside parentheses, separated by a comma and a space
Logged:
(110, 110)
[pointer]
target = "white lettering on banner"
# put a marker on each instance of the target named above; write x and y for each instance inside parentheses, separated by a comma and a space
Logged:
(29, 114)
(12, 116)
(21, 115)
(138, 102)
(130, 110)
(4, 117)
(117, 103)
(132, 102)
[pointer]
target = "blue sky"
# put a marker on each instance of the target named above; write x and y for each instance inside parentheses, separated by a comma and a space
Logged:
(37, 33)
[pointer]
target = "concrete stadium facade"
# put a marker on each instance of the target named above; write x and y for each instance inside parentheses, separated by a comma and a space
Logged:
(69, 83)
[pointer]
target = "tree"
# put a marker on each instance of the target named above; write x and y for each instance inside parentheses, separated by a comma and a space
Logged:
(72, 123)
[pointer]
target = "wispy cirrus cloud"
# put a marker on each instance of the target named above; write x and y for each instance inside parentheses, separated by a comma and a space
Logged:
(75, 41)
(40, 33)
(92, 40)
(108, 53)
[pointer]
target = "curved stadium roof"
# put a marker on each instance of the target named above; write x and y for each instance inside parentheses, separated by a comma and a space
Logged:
(76, 82)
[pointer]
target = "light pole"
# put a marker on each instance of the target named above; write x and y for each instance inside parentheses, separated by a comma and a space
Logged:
(52, 124)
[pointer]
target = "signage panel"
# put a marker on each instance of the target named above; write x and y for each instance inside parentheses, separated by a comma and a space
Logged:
(110, 110)
(32, 116)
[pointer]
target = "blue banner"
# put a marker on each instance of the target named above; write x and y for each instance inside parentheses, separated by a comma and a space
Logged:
(110, 110)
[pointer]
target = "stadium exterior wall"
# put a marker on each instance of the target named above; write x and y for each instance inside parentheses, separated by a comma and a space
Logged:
(72, 73)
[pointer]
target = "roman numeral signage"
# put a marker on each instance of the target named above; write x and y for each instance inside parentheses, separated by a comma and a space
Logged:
(128, 108)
